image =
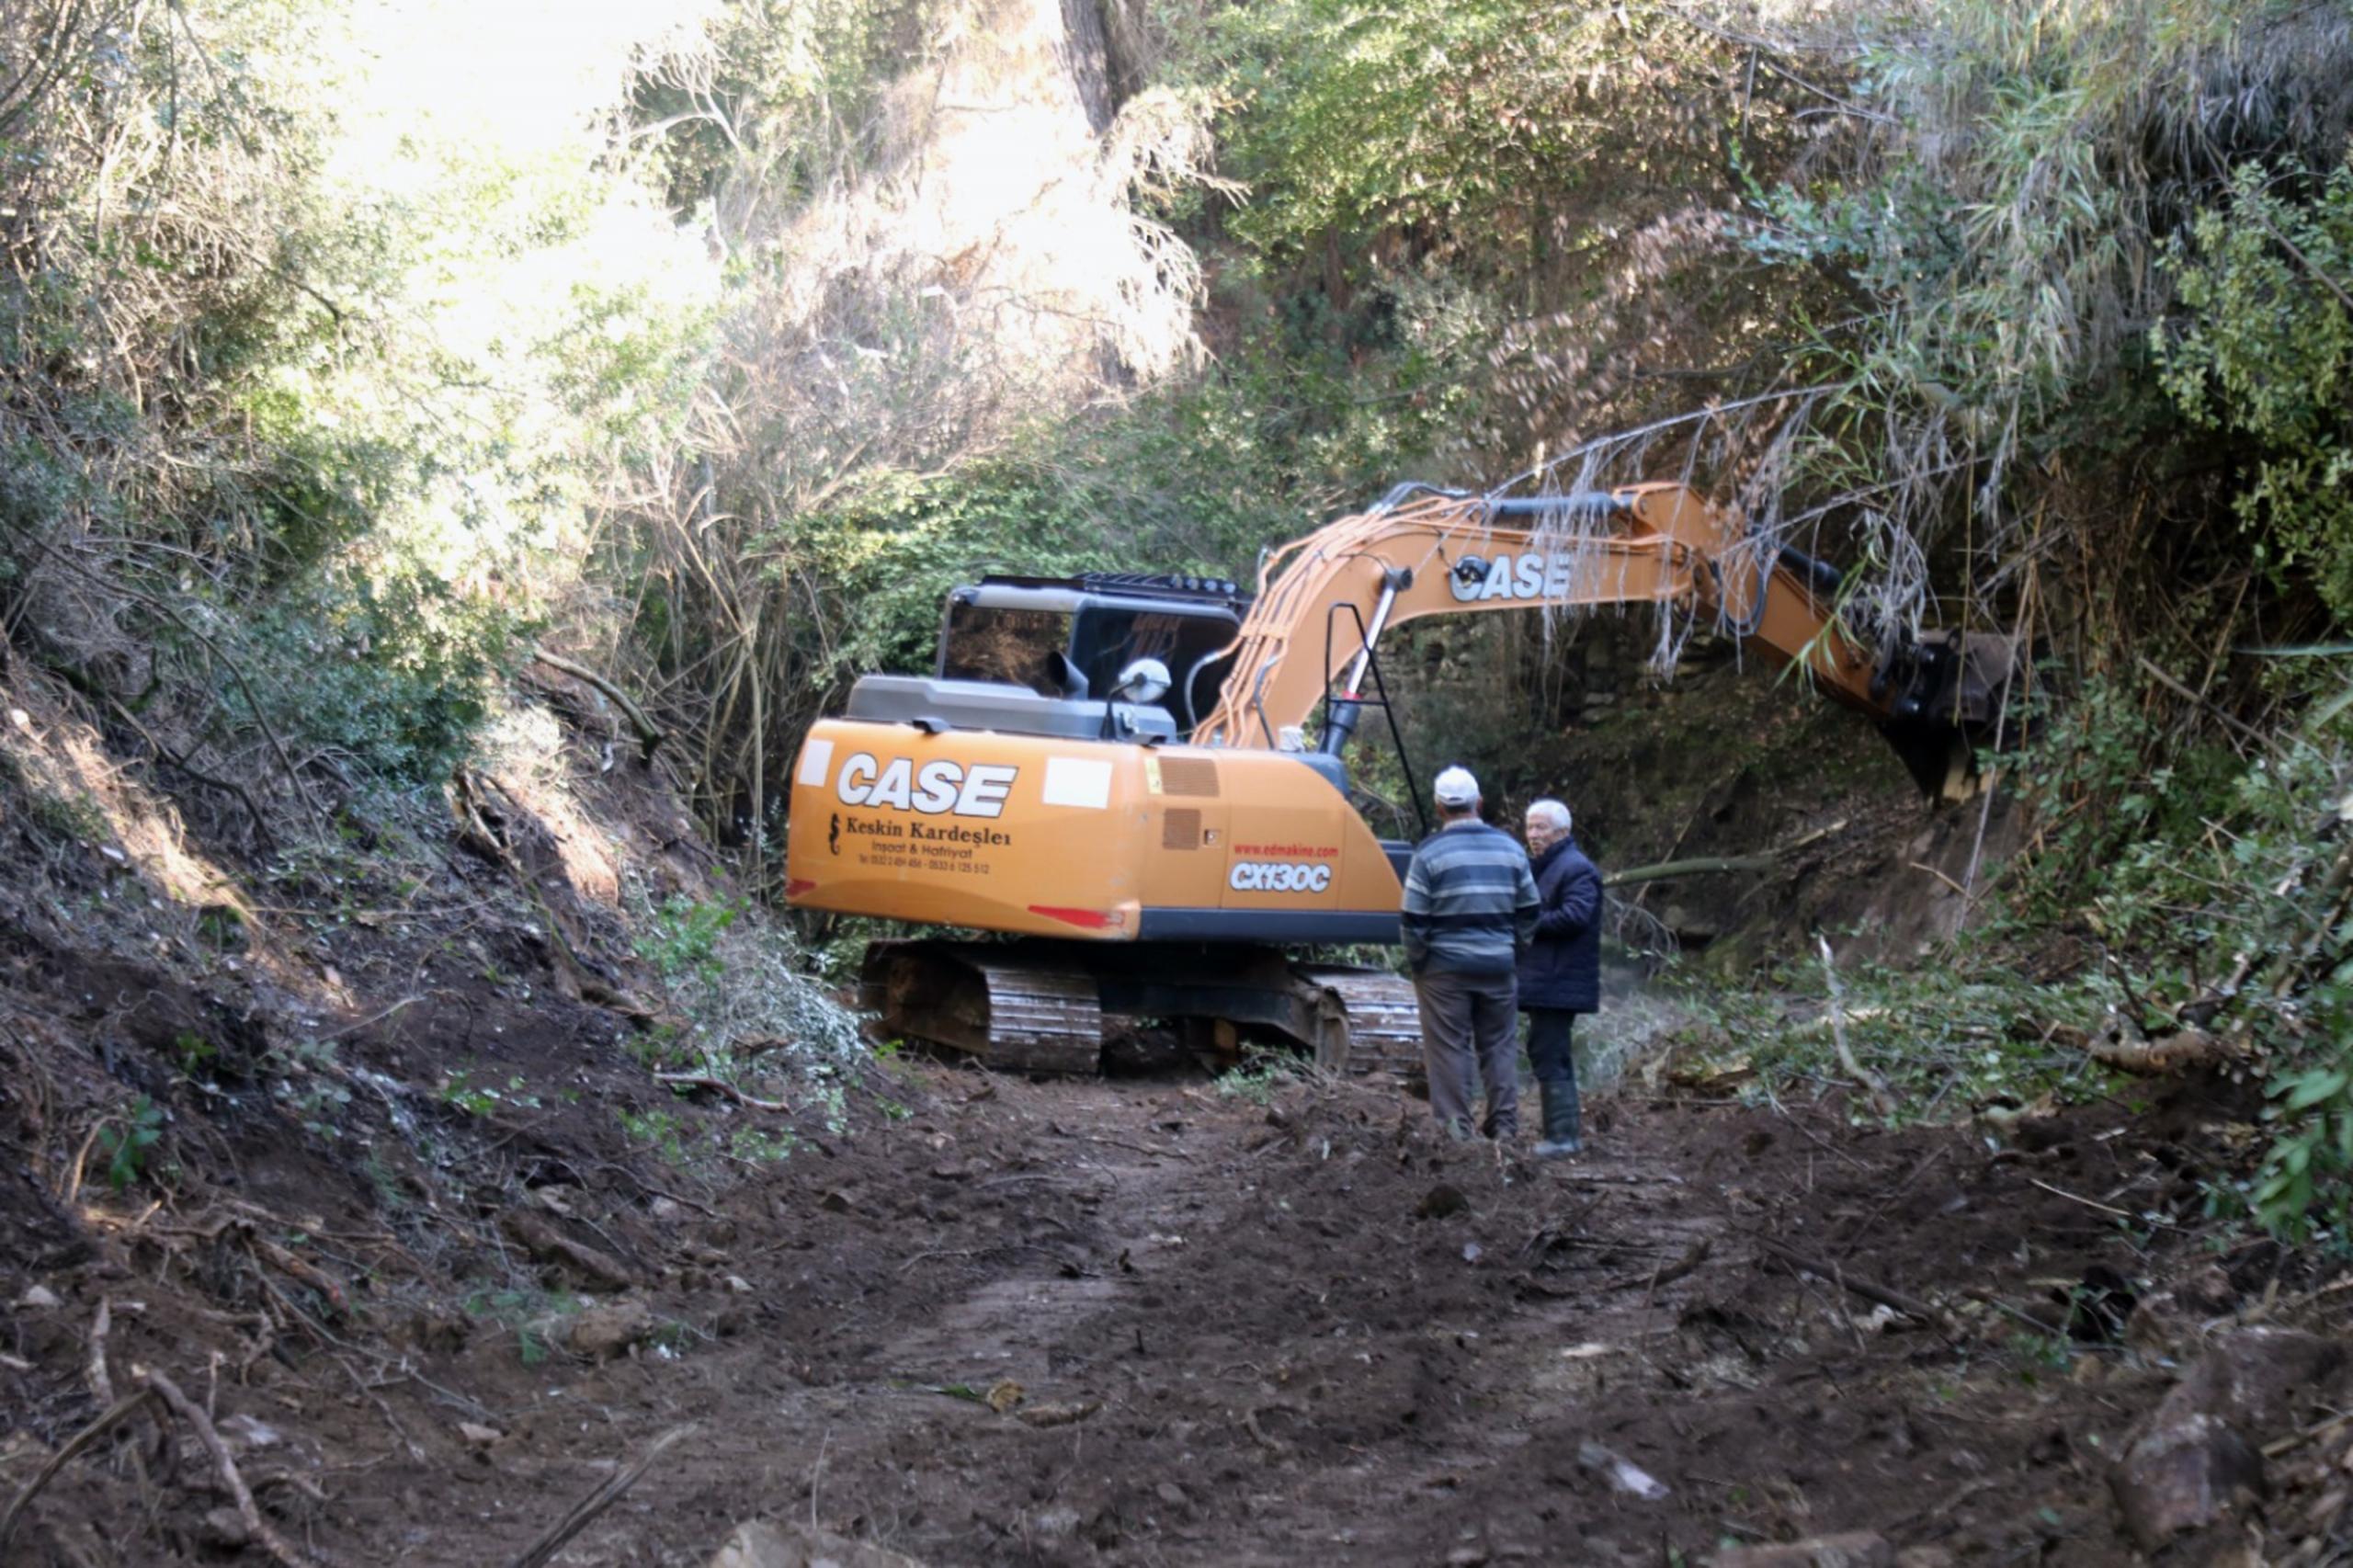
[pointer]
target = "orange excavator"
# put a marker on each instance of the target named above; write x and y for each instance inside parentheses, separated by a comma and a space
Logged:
(1112, 773)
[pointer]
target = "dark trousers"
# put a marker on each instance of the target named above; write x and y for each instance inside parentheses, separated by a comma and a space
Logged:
(1469, 1032)
(1547, 1044)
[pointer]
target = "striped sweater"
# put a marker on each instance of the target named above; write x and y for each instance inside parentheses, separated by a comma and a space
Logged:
(1471, 905)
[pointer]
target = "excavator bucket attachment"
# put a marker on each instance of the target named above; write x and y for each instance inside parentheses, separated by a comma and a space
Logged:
(1950, 696)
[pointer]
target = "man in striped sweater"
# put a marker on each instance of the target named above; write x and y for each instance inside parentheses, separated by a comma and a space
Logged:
(1470, 910)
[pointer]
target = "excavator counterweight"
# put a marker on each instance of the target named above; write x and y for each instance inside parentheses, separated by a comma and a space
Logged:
(1111, 775)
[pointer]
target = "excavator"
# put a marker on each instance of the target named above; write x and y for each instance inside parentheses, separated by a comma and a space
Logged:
(1111, 775)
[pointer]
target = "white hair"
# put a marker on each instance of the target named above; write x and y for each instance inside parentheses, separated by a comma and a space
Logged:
(1552, 813)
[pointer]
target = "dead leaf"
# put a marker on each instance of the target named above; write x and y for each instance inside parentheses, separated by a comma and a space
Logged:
(1004, 1395)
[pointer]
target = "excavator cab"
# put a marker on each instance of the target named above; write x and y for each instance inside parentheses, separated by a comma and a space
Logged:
(1054, 656)
(1073, 637)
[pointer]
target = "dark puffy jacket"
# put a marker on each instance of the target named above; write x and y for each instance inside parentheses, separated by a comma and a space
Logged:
(1561, 968)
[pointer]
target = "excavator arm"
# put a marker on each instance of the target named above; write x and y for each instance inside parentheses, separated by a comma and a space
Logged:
(1325, 600)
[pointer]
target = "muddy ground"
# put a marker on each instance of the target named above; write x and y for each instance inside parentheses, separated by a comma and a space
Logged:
(1145, 1321)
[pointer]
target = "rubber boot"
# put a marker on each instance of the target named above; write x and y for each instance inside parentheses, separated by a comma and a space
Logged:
(1561, 1129)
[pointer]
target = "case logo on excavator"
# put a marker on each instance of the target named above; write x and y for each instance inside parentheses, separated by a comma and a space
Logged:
(937, 788)
(1277, 876)
(1535, 575)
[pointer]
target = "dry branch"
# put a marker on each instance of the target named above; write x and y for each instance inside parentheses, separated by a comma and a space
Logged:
(1666, 870)
(1881, 1101)
(258, 1526)
(2167, 1053)
(120, 1411)
(101, 1384)
(584, 1511)
(720, 1086)
(650, 735)
(1870, 1290)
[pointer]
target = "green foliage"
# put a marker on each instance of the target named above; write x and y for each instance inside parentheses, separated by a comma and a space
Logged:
(1462, 118)
(662, 1131)
(758, 1146)
(2265, 352)
(459, 1089)
(388, 677)
(192, 1052)
(684, 941)
(530, 1314)
(124, 1143)
(1260, 1075)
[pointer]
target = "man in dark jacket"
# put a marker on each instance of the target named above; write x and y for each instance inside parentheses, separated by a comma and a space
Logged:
(1470, 909)
(1560, 973)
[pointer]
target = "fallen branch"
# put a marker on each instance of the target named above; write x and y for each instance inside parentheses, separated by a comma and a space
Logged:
(2154, 1058)
(1873, 1089)
(181, 762)
(585, 1511)
(720, 1086)
(1693, 1256)
(119, 1412)
(2293, 1440)
(649, 735)
(101, 1385)
(258, 1528)
(1870, 1290)
(1667, 871)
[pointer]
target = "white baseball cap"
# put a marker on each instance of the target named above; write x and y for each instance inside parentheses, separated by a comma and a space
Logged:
(1455, 787)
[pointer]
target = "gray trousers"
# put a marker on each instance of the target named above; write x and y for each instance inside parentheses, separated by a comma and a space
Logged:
(1471, 1031)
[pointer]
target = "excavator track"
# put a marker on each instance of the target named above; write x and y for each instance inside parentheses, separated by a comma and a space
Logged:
(1039, 1007)
(1013, 1011)
(1382, 1016)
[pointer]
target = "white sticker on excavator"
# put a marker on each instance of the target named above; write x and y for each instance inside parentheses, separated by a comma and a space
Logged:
(1277, 876)
(938, 786)
(817, 760)
(1534, 575)
(1077, 781)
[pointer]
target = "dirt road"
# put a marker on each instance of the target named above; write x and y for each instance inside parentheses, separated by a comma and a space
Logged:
(1147, 1323)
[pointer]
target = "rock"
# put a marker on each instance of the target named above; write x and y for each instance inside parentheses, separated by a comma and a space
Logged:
(225, 1527)
(1441, 1201)
(434, 1329)
(2209, 1291)
(1622, 1474)
(2182, 1476)
(245, 1433)
(761, 1544)
(1853, 1549)
(477, 1436)
(37, 1298)
(2259, 1379)
(1170, 1493)
(597, 1270)
(602, 1332)
(2159, 1326)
